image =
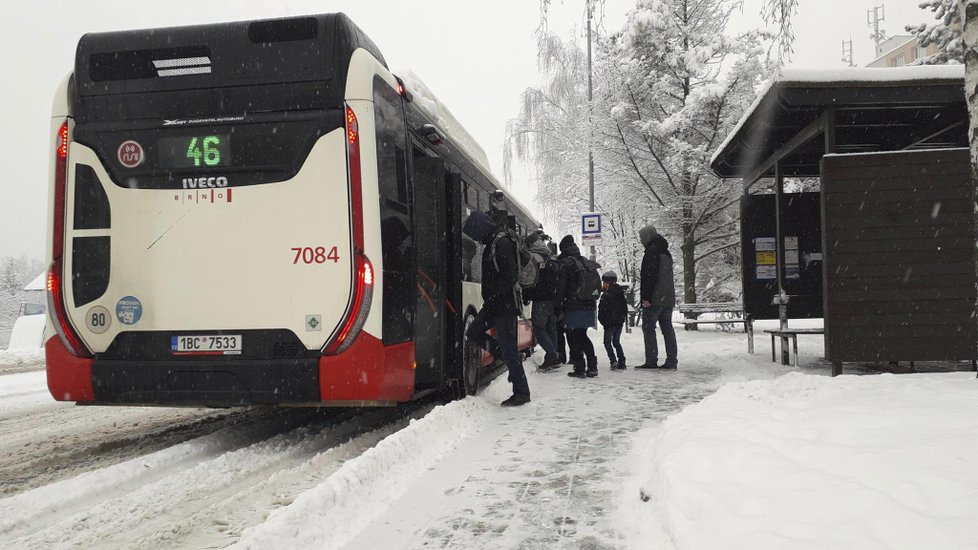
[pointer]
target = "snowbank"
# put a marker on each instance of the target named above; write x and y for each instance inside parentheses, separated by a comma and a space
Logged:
(332, 513)
(28, 333)
(21, 360)
(816, 462)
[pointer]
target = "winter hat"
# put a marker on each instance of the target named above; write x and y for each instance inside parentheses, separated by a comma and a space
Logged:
(531, 238)
(610, 276)
(479, 226)
(566, 242)
(646, 233)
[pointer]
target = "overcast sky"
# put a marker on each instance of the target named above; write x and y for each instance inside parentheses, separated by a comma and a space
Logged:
(477, 56)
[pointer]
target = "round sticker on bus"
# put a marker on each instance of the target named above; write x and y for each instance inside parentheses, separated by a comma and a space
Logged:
(130, 154)
(98, 319)
(129, 310)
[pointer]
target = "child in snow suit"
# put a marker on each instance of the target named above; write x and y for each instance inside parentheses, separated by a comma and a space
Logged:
(612, 314)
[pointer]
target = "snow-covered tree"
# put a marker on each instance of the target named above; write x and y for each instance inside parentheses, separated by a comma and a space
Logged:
(946, 33)
(780, 13)
(667, 89)
(684, 84)
(10, 279)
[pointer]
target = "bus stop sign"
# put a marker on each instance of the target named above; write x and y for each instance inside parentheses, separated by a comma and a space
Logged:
(591, 228)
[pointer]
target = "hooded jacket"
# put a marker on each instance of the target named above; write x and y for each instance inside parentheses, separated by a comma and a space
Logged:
(658, 287)
(499, 286)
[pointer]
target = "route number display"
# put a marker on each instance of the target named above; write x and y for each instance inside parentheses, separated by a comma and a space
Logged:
(204, 151)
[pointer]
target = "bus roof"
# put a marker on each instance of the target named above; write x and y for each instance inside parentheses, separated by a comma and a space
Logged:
(214, 59)
(426, 101)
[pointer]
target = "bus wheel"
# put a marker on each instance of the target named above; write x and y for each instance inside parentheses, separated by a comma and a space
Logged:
(471, 361)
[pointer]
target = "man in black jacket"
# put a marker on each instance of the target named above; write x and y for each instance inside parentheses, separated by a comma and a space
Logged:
(499, 307)
(658, 295)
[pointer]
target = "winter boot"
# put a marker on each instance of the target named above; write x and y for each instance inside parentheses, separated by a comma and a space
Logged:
(614, 365)
(592, 367)
(578, 371)
(550, 363)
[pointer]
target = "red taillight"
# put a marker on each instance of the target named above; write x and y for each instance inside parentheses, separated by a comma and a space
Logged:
(363, 282)
(60, 186)
(363, 292)
(353, 160)
(56, 304)
(62, 145)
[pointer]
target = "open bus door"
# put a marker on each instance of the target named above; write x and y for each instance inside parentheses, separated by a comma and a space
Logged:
(431, 266)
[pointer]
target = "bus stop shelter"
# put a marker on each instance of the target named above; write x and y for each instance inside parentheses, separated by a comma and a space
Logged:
(884, 251)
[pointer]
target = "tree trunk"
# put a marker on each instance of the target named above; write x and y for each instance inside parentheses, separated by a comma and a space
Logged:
(689, 268)
(970, 36)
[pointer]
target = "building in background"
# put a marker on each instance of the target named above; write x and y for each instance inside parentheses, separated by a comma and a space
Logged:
(901, 50)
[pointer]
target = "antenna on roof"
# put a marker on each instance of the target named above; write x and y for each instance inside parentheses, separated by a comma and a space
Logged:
(874, 16)
(847, 52)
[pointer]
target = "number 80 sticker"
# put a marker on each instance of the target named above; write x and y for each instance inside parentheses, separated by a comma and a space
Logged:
(98, 319)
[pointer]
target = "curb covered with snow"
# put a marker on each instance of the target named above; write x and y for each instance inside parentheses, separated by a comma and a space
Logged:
(331, 514)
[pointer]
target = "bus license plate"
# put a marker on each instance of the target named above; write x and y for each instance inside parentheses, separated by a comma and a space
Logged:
(206, 344)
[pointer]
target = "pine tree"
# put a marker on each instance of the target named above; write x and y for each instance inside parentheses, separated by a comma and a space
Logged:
(946, 33)
(10, 281)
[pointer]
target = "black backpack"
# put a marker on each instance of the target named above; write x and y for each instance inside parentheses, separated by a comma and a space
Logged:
(588, 280)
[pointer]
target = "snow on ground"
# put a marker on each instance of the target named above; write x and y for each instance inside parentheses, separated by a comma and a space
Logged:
(730, 451)
(813, 462)
(27, 333)
(21, 360)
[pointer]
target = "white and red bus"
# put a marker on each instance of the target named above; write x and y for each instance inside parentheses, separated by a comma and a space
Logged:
(260, 213)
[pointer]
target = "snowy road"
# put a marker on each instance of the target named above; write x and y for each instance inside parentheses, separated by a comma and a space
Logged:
(468, 474)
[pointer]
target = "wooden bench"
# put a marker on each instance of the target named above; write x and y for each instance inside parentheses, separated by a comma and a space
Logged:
(790, 334)
(724, 313)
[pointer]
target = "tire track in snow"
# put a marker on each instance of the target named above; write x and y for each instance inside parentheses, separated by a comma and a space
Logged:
(171, 498)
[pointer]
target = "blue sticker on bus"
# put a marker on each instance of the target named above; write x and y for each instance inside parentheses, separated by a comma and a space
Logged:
(129, 310)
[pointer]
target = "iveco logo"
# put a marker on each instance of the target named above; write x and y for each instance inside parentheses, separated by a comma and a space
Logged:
(203, 183)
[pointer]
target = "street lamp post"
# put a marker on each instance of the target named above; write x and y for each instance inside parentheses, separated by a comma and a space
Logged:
(590, 155)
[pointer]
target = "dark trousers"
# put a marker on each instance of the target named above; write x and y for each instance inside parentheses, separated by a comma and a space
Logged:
(545, 327)
(612, 343)
(561, 341)
(503, 346)
(581, 347)
(663, 317)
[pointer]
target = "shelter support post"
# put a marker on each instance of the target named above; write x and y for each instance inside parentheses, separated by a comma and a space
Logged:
(781, 299)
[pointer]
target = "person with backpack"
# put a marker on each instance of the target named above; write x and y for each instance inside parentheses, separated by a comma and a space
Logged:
(500, 275)
(561, 340)
(612, 314)
(542, 295)
(658, 295)
(578, 288)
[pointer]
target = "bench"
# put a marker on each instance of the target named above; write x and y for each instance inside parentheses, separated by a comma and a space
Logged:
(790, 334)
(725, 313)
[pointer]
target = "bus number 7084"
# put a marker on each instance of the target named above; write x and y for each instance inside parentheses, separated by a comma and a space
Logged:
(318, 255)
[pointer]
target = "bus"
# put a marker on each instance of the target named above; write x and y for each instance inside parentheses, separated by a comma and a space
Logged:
(261, 212)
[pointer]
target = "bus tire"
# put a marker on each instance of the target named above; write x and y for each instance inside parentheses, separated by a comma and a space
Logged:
(471, 368)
